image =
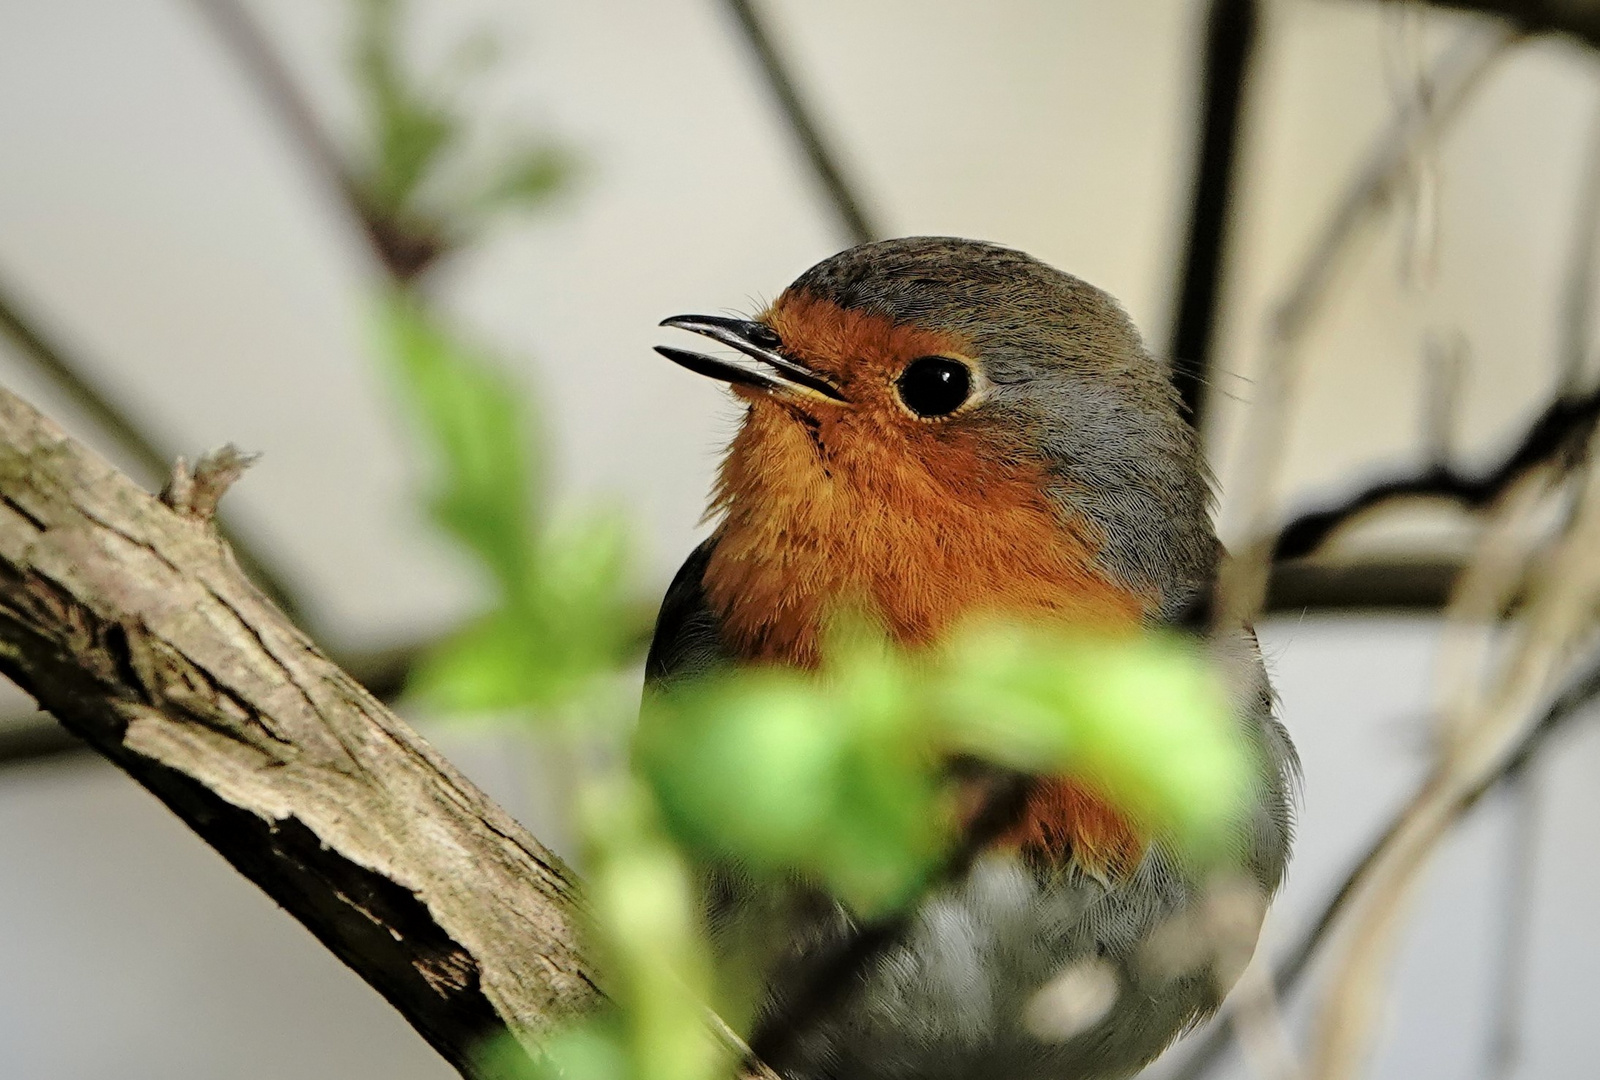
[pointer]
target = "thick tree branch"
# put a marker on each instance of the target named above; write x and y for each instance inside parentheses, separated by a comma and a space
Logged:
(128, 619)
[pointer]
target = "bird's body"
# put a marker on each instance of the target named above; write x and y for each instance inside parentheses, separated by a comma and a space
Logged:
(946, 429)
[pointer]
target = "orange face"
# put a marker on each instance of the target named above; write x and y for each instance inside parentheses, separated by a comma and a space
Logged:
(863, 502)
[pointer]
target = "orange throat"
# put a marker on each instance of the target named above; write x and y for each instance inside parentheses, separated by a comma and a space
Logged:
(816, 523)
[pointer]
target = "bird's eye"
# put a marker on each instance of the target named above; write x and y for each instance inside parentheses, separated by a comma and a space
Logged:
(934, 385)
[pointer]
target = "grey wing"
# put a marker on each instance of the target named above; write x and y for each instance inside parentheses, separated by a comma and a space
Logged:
(688, 639)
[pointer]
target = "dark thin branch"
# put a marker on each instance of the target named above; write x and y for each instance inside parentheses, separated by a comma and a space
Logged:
(1364, 585)
(1230, 46)
(824, 161)
(1292, 966)
(1576, 18)
(37, 737)
(1560, 431)
(235, 25)
(403, 251)
(50, 359)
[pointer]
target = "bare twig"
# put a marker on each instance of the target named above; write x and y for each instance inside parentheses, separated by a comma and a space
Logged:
(53, 361)
(197, 491)
(1555, 434)
(1578, 18)
(1296, 961)
(1452, 80)
(1256, 1015)
(37, 737)
(1577, 302)
(1511, 980)
(1445, 359)
(130, 622)
(1476, 742)
(402, 251)
(824, 161)
(50, 359)
(233, 23)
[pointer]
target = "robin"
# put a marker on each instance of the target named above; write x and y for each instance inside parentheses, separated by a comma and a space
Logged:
(934, 428)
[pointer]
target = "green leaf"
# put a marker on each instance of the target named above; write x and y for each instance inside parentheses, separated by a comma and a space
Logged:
(844, 776)
(546, 646)
(471, 415)
(644, 903)
(531, 176)
(1144, 719)
(787, 774)
(412, 130)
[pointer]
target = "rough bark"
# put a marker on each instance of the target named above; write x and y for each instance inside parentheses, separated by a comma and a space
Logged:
(126, 616)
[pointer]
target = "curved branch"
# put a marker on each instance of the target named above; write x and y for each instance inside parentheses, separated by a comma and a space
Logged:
(1579, 19)
(1560, 431)
(1293, 964)
(127, 618)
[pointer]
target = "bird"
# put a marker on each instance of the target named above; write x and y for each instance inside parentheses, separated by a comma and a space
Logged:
(938, 428)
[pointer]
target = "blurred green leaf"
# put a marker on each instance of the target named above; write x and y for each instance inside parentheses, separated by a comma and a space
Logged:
(647, 912)
(842, 776)
(786, 774)
(412, 129)
(1144, 719)
(421, 180)
(562, 619)
(472, 416)
(529, 177)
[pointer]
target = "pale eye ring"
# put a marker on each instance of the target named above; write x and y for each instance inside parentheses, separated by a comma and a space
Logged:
(934, 386)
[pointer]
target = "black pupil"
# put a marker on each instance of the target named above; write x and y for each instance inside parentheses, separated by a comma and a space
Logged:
(934, 385)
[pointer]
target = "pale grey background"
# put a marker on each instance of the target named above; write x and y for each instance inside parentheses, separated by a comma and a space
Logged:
(152, 210)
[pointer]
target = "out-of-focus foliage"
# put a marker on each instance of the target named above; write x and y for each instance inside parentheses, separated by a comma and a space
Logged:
(419, 173)
(555, 639)
(844, 775)
(560, 621)
(1144, 719)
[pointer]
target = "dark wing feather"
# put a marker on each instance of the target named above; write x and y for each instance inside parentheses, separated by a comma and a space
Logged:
(688, 638)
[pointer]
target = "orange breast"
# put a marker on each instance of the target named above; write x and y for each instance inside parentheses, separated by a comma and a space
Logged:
(918, 543)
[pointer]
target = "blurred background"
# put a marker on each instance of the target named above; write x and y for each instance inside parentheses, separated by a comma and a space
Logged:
(163, 226)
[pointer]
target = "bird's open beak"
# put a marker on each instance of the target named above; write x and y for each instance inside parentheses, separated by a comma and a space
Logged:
(755, 340)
